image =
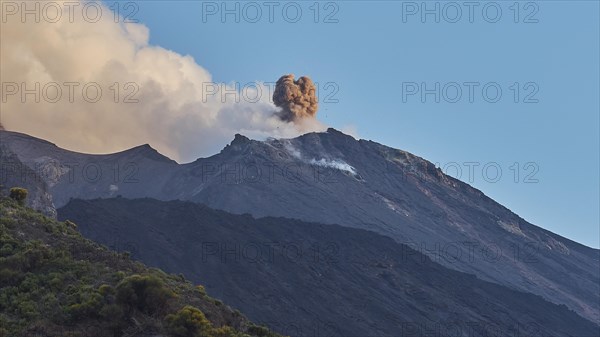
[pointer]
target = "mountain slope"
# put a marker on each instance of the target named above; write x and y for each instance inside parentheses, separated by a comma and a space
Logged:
(14, 173)
(138, 172)
(332, 178)
(308, 279)
(56, 283)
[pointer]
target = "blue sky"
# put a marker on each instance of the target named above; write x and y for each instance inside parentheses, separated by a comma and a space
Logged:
(374, 51)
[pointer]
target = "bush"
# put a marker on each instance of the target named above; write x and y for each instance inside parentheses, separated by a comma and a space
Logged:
(226, 331)
(71, 224)
(112, 312)
(106, 290)
(19, 194)
(201, 290)
(83, 302)
(188, 322)
(6, 249)
(27, 309)
(260, 331)
(147, 294)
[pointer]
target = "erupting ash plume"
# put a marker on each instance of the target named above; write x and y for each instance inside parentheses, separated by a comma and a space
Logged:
(101, 87)
(297, 99)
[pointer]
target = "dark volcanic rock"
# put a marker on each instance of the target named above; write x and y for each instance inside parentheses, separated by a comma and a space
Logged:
(308, 279)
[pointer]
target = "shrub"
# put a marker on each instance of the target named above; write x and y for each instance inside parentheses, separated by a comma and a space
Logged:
(84, 302)
(27, 309)
(10, 277)
(51, 305)
(260, 331)
(19, 194)
(106, 290)
(148, 294)
(55, 281)
(188, 322)
(71, 224)
(6, 249)
(112, 312)
(201, 290)
(225, 331)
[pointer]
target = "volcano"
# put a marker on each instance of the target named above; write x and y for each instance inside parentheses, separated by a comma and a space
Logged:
(331, 178)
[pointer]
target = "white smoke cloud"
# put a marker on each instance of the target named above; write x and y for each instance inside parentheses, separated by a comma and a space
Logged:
(337, 164)
(292, 150)
(334, 164)
(174, 112)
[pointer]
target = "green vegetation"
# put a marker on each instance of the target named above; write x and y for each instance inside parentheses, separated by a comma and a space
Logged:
(19, 194)
(147, 294)
(188, 322)
(55, 281)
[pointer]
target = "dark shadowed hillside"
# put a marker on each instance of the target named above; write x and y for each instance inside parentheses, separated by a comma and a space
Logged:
(309, 279)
